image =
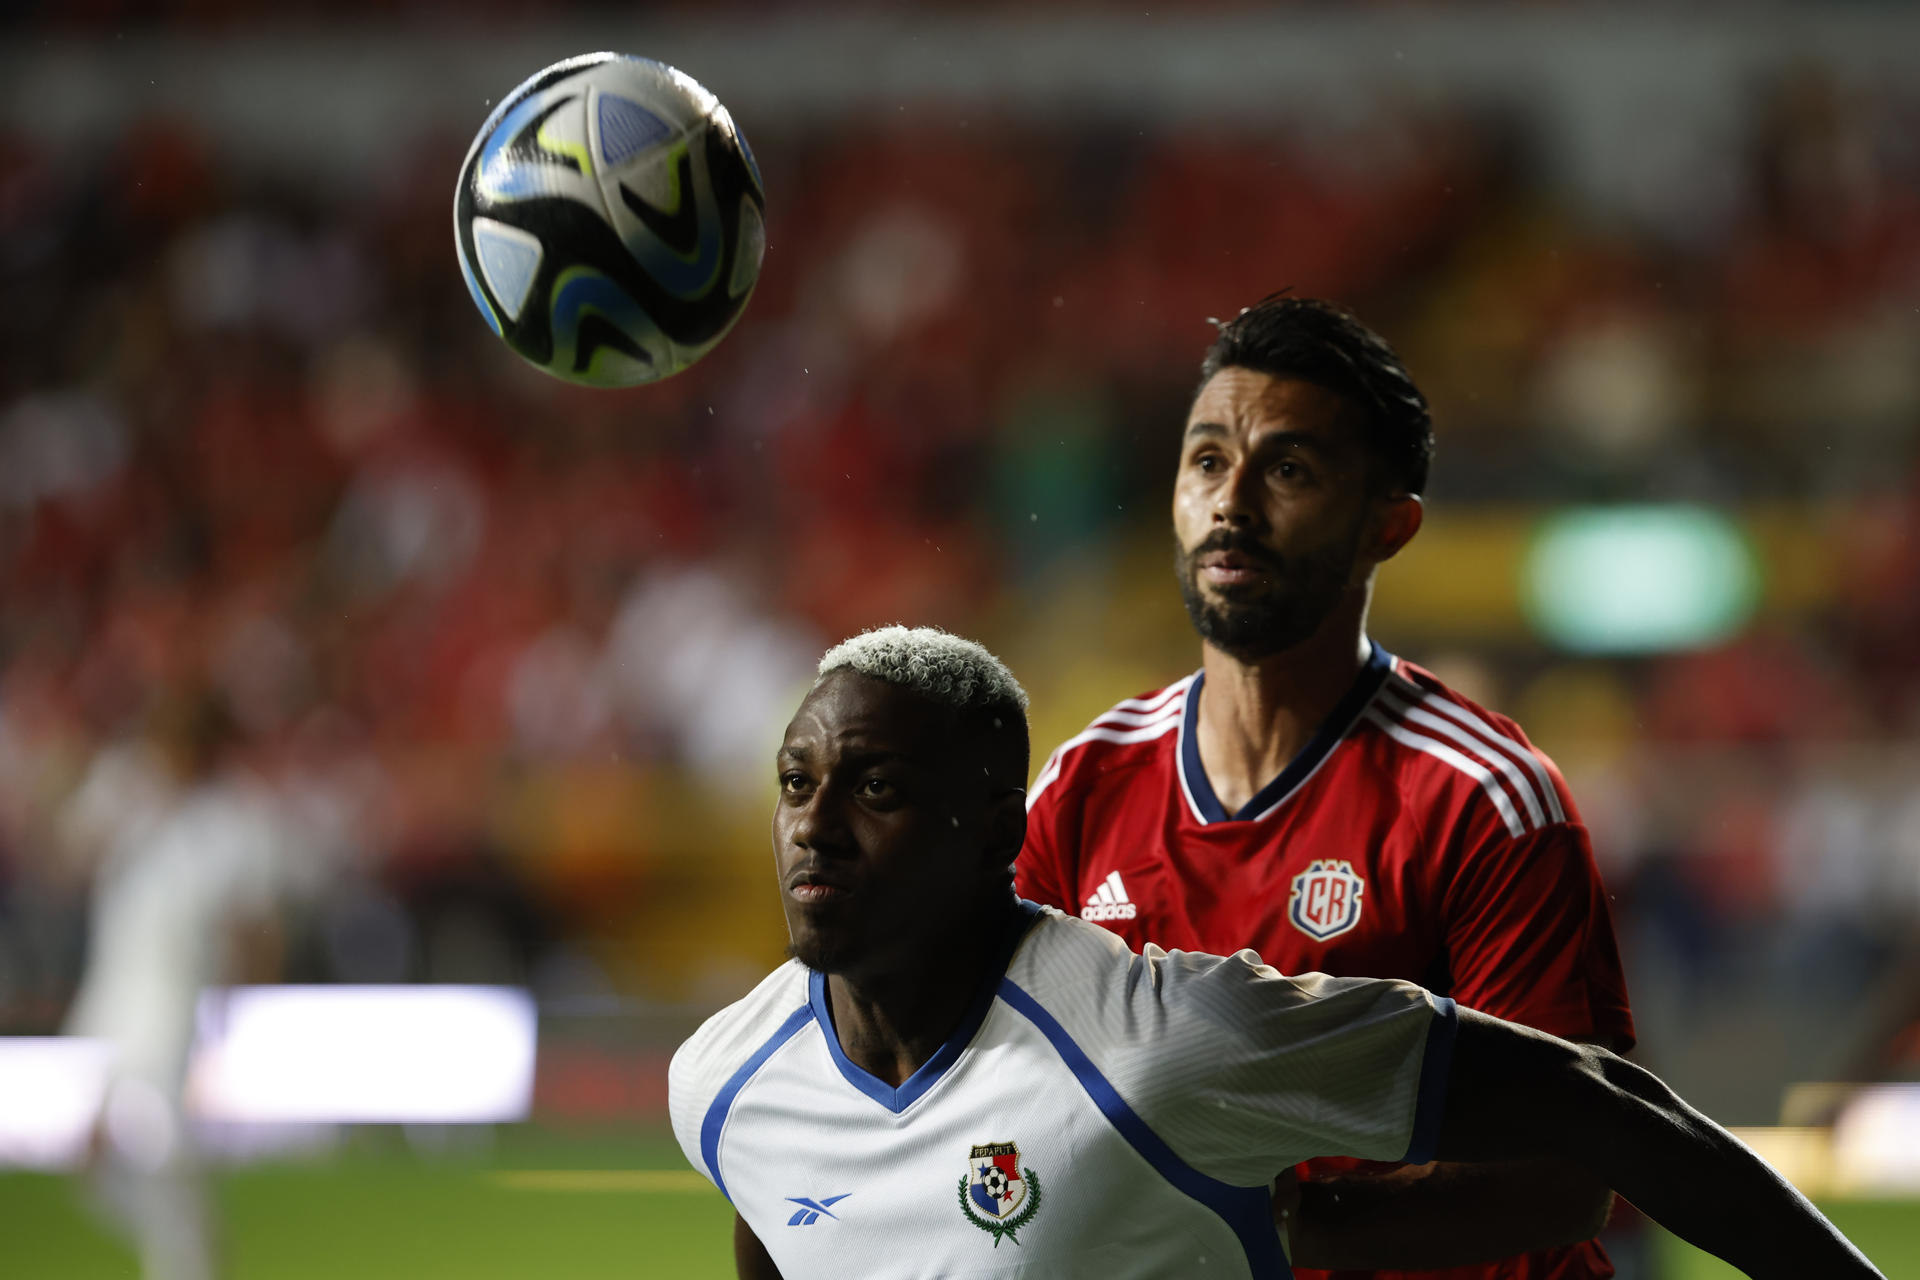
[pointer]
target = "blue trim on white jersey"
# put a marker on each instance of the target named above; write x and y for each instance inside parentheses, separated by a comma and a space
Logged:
(716, 1118)
(898, 1098)
(1434, 1068)
(1248, 1210)
(1373, 673)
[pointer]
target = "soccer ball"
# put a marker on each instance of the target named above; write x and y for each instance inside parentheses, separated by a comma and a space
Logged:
(610, 220)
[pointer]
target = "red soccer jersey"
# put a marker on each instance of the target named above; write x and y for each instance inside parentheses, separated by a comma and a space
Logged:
(1416, 836)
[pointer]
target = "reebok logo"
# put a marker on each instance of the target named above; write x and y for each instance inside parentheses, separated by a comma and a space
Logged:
(810, 1209)
(1109, 902)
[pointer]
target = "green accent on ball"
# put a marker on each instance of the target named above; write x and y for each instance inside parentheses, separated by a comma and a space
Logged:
(577, 151)
(680, 197)
(566, 338)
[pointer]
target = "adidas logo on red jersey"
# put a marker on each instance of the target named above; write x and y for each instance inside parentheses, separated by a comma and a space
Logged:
(1109, 902)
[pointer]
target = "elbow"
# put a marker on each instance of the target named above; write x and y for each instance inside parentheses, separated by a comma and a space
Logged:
(1614, 1110)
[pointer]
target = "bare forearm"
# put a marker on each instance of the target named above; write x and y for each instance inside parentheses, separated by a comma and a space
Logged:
(1424, 1217)
(1708, 1187)
(1519, 1094)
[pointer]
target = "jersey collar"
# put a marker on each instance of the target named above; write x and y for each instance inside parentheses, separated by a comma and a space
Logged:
(1193, 778)
(910, 1090)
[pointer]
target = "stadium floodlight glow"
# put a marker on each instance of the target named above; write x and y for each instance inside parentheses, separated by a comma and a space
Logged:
(1639, 579)
(398, 1054)
(50, 1090)
(1876, 1142)
(294, 1056)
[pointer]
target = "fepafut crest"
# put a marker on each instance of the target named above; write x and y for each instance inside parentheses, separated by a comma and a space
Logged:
(1326, 899)
(998, 1195)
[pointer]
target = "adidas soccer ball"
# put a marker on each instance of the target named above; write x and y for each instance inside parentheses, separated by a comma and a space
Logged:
(609, 220)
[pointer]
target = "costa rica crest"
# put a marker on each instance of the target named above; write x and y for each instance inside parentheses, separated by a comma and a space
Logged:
(997, 1194)
(1326, 899)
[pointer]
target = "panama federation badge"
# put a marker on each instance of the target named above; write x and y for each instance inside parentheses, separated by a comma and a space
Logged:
(998, 1195)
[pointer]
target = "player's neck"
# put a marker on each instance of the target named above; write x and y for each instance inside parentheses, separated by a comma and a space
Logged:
(892, 1018)
(1255, 717)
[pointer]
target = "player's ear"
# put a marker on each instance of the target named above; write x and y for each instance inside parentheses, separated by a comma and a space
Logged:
(1394, 520)
(1006, 826)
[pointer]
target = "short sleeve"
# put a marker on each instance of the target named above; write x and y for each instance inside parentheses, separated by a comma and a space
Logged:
(1040, 875)
(711, 1067)
(689, 1094)
(1243, 1071)
(1530, 938)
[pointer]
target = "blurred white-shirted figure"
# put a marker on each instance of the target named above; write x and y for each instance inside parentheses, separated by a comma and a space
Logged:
(193, 860)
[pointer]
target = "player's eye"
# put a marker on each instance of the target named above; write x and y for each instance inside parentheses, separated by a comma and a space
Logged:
(1208, 463)
(793, 782)
(1290, 469)
(876, 788)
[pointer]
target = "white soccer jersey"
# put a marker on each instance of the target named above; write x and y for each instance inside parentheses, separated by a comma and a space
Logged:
(165, 903)
(1097, 1113)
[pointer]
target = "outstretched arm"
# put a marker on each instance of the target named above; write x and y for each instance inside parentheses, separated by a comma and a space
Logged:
(1430, 1216)
(1518, 1094)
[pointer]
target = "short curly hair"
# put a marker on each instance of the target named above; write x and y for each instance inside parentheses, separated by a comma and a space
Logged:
(1326, 345)
(949, 671)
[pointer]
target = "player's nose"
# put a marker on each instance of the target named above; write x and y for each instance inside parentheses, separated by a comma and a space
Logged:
(1234, 502)
(819, 825)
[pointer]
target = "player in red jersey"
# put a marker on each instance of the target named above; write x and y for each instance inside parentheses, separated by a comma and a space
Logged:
(1310, 796)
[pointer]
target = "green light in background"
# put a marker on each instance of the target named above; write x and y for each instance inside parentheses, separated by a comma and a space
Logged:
(1638, 579)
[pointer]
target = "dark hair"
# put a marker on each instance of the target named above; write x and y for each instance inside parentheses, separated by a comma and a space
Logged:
(1321, 343)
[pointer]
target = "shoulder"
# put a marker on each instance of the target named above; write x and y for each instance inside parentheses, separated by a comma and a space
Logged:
(726, 1040)
(1069, 963)
(730, 1040)
(1064, 953)
(1103, 993)
(1234, 1065)
(1459, 764)
(1129, 732)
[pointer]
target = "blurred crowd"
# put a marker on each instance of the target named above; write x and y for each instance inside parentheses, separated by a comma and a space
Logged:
(524, 648)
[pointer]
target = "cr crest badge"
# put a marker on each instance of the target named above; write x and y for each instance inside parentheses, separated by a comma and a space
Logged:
(997, 1194)
(1326, 899)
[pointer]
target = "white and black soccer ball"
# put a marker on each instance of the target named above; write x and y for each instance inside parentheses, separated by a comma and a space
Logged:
(610, 220)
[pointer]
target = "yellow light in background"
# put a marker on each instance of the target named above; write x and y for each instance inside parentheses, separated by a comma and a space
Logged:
(1639, 579)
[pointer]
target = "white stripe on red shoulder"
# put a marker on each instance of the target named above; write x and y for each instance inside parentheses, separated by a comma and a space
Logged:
(1404, 735)
(1505, 742)
(1134, 719)
(1153, 701)
(1131, 729)
(1416, 715)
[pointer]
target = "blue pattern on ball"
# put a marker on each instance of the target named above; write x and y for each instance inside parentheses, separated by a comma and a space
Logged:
(580, 233)
(582, 291)
(500, 175)
(627, 128)
(479, 299)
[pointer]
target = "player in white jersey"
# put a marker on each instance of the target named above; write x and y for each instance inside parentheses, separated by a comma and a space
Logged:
(194, 862)
(946, 1081)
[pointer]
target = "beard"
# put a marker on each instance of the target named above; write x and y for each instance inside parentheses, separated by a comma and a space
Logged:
(1267, 617)
(832, 945)
(825, 955)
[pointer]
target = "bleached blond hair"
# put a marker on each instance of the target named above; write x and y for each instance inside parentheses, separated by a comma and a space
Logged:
(944, 668)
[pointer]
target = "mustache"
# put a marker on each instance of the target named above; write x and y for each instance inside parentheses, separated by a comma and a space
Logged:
(1238, 543)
